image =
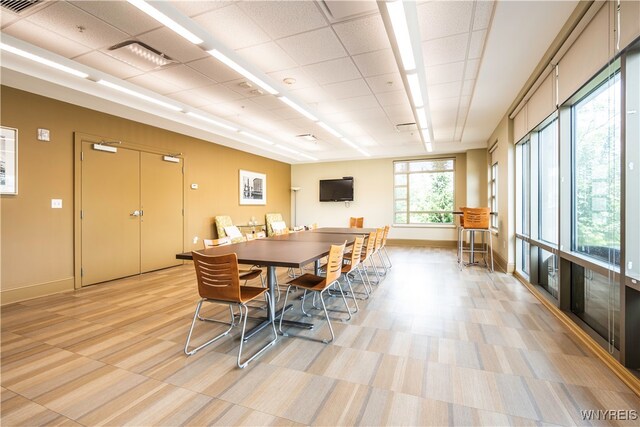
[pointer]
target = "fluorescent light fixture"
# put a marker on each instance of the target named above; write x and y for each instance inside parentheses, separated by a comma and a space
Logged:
(171, 159)
(166, 21)
(139, 95)
(429, 147)
(350, 144)
(363, 152)
(107, 148)
(140, 55)
(298, 108)
(282, 147)
(425, 135)
(240, 69)
(308, 156)
(401, 31)
(213, 122)
(329, 129)
(422, 118)
(256, 137)
(414, 88)
(41, 60)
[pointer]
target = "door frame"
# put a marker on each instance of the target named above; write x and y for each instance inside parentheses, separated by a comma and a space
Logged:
(78, 138)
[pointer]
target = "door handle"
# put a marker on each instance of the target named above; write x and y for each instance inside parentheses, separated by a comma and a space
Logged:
(135, 213)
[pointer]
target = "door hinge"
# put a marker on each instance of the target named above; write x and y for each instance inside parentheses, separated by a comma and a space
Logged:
(81, 272)
(81, 155)
(81, 214)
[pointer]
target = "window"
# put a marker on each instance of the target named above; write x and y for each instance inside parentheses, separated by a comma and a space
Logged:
(596, 172)
(424, 191)
(494, 195)
(525, 189)
(548, 182)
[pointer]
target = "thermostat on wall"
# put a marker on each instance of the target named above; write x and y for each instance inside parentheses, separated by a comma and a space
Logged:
(43, 134)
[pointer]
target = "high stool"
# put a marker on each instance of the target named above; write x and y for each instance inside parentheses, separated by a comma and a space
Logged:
(475, 220)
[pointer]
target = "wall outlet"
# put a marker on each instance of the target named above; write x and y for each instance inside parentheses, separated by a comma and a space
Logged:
(195, 240)
(56, 203)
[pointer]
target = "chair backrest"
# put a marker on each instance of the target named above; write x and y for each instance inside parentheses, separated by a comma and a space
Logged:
(356, 252)
(212, 243)
(334, 263)
(222, 221)
(368, 249)
(218, 276)
(462, 217)
(476, 217)
(384, 236)
(378, 240)
(356, 222)
(269, 219)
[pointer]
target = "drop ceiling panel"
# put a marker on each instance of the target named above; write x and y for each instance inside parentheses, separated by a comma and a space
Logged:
(482, 15)
(476, 44)
(385, 83)
(311, 95)
(76, 24)
(363, 35)
(195, 7)
(122, 15)
(219, 94)
(445, 73)
(268, 102)
(467, 87)
(313, 46)
(232, 27)
(154, 83)
(443, 19)
(182, 77)
(7, 18)
(46, 39)
(340, 9)
(376, 63)
(214, 69)
(471, 70)
(302, 79)
(397, 97)
(191, 97)
(445, 50)
(333, 71)
(445, 90)
(267, 57)
(177, 48)
(349, 104)
(282, 19)
(108, 64)
(349, 89)
(399, 114)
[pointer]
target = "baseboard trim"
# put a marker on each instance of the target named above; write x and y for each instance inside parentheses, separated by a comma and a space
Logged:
(502, 263)
(427, 243)
(628, 378)
(10, 296)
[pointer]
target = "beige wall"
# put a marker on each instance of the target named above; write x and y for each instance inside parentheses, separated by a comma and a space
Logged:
(477, 180)
(373, 197)
(37, 241)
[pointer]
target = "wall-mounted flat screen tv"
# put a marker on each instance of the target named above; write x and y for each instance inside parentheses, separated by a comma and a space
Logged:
(336, 190)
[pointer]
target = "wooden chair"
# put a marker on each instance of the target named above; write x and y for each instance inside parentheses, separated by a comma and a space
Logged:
(377, 247)
(219, 282)
(475, 220)
(319, 284)
(384, 244)
(356, 222)
(366, 255)
(351, 264)
(245, 274)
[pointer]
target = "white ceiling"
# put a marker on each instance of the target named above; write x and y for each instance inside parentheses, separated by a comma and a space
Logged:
(477, 56)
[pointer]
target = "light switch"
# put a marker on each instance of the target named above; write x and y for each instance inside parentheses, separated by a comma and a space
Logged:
(56, 203)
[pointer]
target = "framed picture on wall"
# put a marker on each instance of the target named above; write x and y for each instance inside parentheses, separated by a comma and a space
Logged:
(8, 160)
(253, 188)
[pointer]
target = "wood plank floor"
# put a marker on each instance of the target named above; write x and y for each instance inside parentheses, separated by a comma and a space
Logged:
(432, 346)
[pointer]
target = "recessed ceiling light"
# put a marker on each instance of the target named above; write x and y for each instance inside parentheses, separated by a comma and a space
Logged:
(289, 81)
(139, 55)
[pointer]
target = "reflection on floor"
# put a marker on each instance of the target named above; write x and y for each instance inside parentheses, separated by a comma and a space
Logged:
(432, 346)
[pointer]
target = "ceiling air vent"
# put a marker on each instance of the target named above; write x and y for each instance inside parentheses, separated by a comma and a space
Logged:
(406, 127)
(17, 6)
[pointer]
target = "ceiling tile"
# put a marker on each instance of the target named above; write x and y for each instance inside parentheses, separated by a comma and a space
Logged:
(108, 64)
(445, 90)
(191, 97)
(400, 114)
(386, 83)
(443, 134)
(312, 95)
(358, 103)
(444, 18)
(165, 40)
(268, 102)
(214, 69)
(445, 105)
(182, 77)
(121, 15)
(363, 34)
(232, 27)
(376, 63)
(7, 18)
(477, 44)
(41, 37)
(467, 87)
(313, 46)
(76, 24)
(267, 57)
(482, 15)
(445, 50)
(219, 94)
(444, 73)
(302, 79)
(392, 98)
(153, 83)
(234, 110)
(471, 71)
(197, 7)
(339, 10)
(334, 71)
(282, 19)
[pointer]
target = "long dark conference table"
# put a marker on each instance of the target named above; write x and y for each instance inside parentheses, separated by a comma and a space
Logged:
(293, 250)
